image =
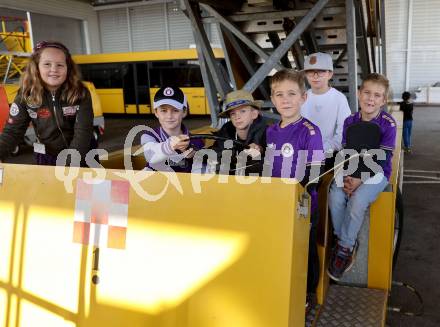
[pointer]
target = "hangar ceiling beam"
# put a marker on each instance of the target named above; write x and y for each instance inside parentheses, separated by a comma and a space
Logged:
(281, 50)
(239, 34)
(249, 65)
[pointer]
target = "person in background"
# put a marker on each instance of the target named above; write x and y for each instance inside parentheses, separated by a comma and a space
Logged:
(53, 98)
(407, 107)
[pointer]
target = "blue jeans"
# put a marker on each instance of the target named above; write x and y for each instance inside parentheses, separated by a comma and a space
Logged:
(407, 127)
(348, 212)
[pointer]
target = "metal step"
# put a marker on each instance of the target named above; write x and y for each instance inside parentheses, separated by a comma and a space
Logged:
(352, 306)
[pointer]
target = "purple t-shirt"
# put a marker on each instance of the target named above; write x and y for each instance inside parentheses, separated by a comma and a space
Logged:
(388, 131)
(293, 147)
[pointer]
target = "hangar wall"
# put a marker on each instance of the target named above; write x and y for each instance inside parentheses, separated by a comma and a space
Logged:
(412, 44)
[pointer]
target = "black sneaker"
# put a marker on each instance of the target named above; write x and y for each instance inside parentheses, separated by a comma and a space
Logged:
(311, 302)
(341, 261)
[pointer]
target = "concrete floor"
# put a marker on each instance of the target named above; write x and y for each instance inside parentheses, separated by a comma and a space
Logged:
(419, 260)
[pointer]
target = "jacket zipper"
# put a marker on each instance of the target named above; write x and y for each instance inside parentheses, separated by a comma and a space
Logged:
(56, 119)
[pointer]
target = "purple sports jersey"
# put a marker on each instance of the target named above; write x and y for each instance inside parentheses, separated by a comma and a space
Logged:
(388, 131)
(293, 147)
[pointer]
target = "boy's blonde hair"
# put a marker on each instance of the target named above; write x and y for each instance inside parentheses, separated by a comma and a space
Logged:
(378, 79)
(289, 75)
(32, 86)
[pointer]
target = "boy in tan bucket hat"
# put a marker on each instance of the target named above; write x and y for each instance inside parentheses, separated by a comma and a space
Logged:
(245, 125)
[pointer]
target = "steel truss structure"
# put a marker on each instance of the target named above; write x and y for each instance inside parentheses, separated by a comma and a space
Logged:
(261, 36)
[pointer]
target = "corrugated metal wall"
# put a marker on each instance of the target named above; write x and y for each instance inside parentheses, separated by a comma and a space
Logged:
(74, 12)
(153, 27)
(396, 22)
(181, 34)
(67, 30)
(424, 48)
(425, 45)
(113, 26)
(147, 27)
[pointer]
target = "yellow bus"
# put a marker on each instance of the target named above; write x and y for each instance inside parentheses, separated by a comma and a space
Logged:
(127, 82)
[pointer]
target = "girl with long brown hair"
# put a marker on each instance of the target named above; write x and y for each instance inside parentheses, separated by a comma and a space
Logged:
(53, 98)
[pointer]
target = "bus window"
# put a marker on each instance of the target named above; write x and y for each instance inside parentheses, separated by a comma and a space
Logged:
(190, 74)
(129, 88)
(143, 90)
(179, 74)
(103, 76)
(156, 73)
(155, 78)
(127, 84)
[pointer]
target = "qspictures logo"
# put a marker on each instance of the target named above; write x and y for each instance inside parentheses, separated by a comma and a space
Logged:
(208, 164)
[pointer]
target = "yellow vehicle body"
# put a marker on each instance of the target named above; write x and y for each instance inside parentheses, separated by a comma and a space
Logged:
(199, 250)
(176, 54)
(96, 101)
(113, 101)
(191, 258)
(113, 98)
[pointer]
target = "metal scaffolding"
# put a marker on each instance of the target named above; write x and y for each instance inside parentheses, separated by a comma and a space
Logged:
(15, 46)
(258, 39)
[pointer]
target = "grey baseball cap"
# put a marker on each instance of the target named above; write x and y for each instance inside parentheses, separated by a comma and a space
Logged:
(318, 60)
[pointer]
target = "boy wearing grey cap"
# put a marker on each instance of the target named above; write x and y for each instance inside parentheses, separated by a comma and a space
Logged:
(325, 106)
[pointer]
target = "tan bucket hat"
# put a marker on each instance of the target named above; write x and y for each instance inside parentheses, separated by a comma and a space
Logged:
(237, 99)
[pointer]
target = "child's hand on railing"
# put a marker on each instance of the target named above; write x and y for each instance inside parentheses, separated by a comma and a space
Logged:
(180, 142)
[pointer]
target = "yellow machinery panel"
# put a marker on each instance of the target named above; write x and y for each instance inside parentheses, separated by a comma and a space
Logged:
(209, 251)
(112, 101)
(196, 99)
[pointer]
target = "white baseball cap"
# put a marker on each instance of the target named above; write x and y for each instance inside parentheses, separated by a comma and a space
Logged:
(319, 61)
